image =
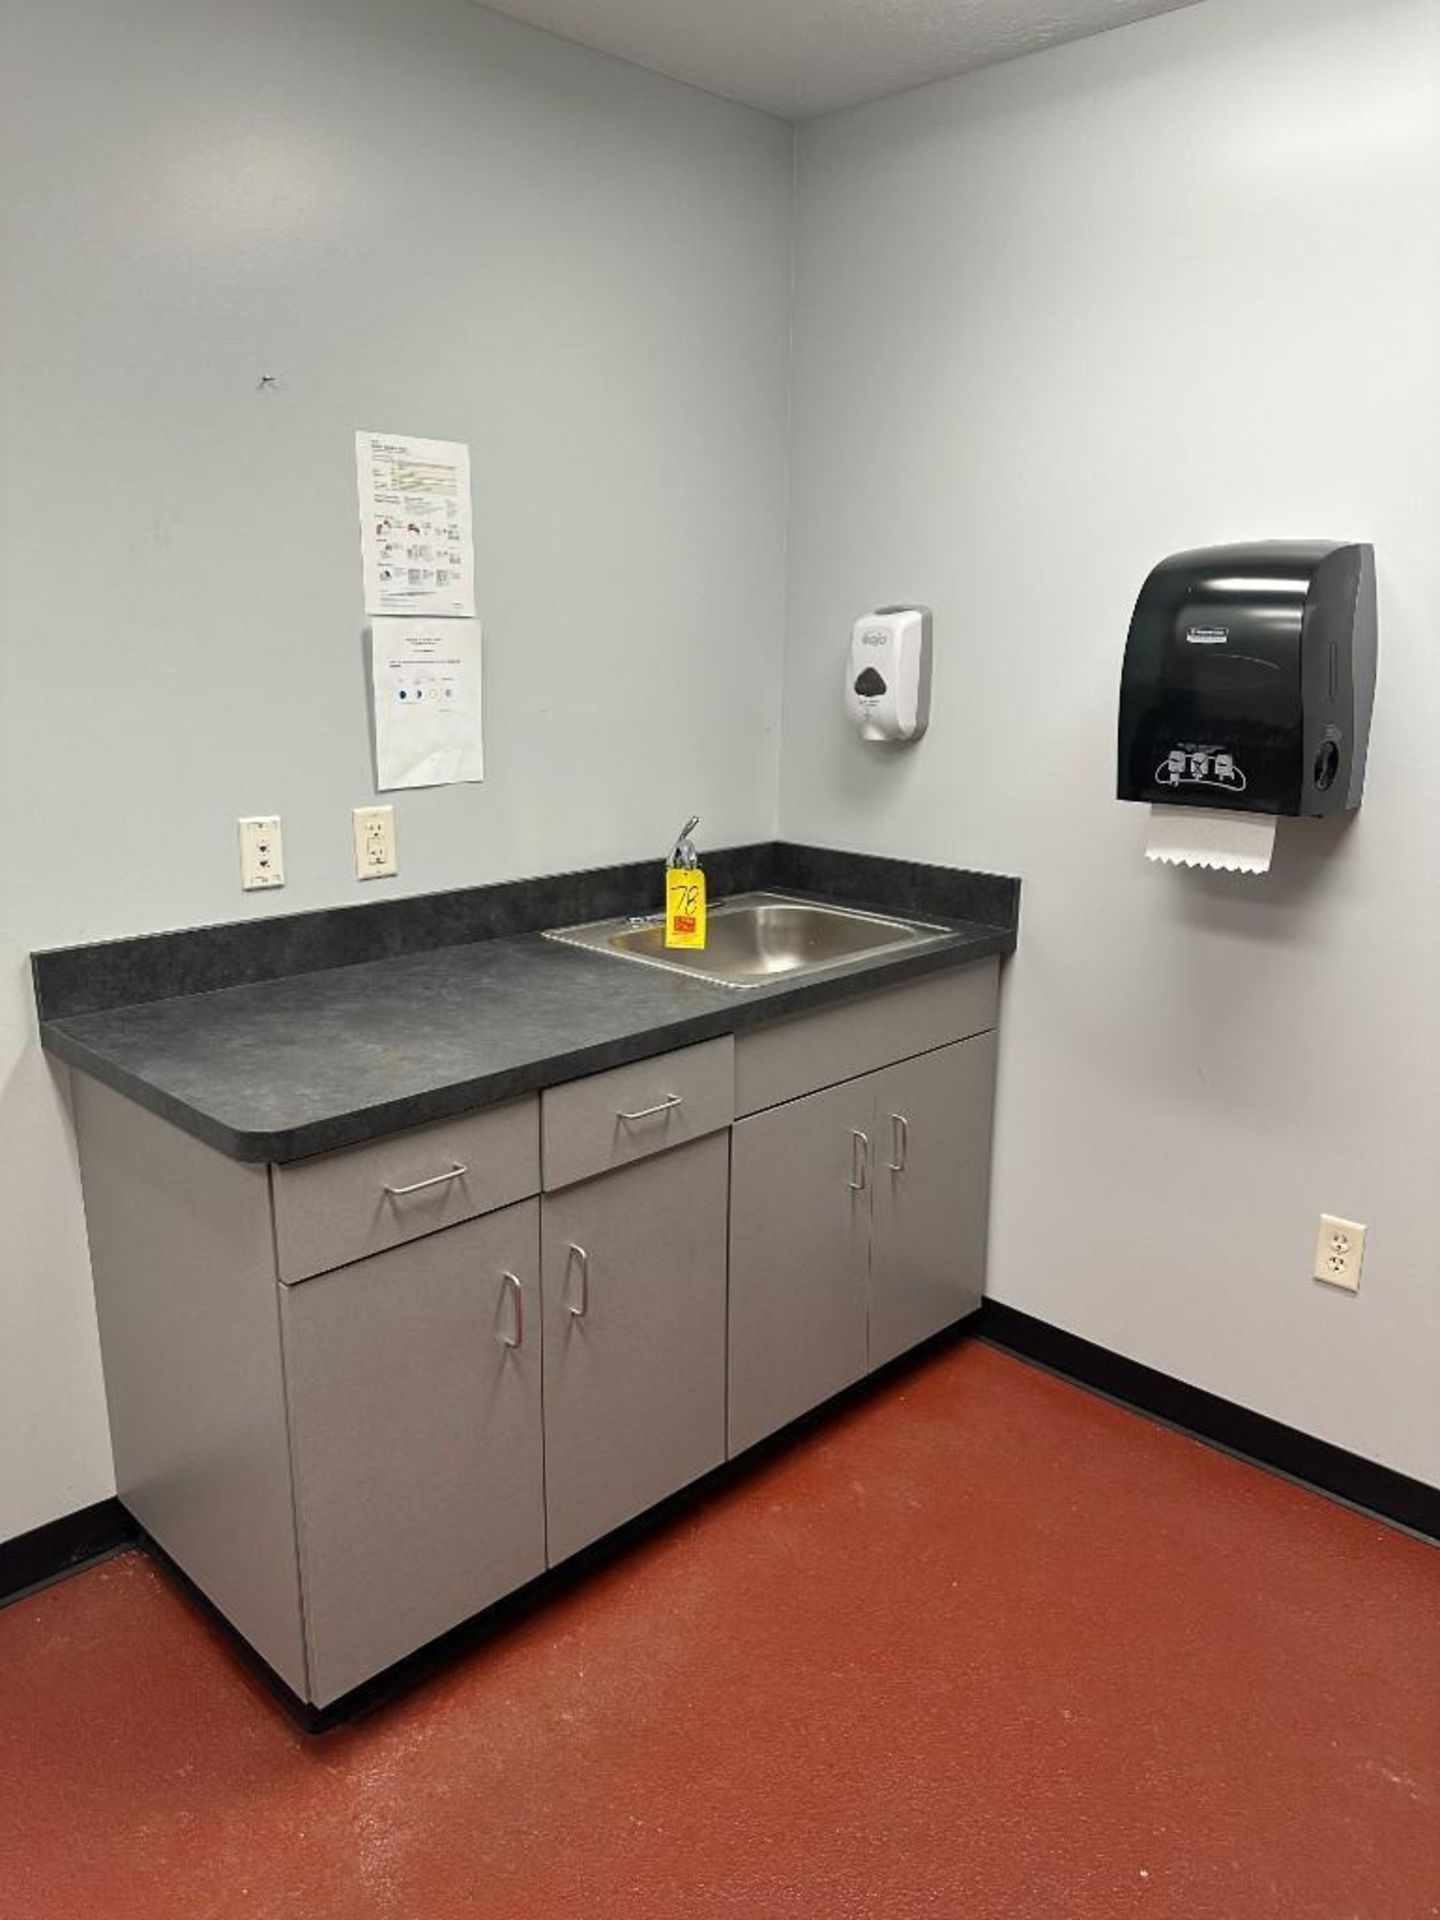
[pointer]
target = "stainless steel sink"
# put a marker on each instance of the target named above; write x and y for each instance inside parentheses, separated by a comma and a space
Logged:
(755, 939)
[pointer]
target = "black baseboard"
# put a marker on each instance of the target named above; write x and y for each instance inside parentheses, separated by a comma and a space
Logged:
(1268, 1443)
(63, 1546)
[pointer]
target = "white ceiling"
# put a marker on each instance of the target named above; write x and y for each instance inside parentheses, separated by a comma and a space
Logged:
(797, 58)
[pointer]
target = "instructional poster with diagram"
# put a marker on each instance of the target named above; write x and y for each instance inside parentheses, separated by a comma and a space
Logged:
(416, 540)
(426, 681)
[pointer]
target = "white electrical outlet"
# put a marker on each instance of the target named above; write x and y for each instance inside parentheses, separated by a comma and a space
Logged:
(1339, 1249)
(375, 842)
(262, 852)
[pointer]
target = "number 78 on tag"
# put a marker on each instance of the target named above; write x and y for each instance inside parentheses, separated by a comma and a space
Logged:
(684, 907)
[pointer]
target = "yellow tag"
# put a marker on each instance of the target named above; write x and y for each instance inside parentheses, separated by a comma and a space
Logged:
(684, 907)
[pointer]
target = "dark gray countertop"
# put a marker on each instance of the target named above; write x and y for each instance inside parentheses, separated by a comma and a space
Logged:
(288, 1068)
(281, 1068)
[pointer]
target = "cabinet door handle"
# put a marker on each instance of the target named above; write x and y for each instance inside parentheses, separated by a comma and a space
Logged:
(457, 1172)
(900, 1127)
(862, 1140)
(516, 1336)
(581, 1260)
(648, 1113)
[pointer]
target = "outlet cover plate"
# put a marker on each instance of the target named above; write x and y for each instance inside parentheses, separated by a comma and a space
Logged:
(1339, 1251)
(262, 852)
(374, 829)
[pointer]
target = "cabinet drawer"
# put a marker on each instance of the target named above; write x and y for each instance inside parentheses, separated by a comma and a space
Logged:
(342, 1206)
(613, 1118)
(813, 1050)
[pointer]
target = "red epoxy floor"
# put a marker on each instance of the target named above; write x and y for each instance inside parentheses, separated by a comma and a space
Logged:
(986, 1647)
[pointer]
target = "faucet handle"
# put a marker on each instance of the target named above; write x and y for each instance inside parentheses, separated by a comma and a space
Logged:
(684, 854)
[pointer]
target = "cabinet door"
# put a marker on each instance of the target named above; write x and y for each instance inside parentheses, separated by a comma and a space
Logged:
(413, 1381)
(634, 1287)
(799, 1256)
(931, 1193)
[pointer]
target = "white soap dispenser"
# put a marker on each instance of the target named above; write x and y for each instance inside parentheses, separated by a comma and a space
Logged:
(887, 684)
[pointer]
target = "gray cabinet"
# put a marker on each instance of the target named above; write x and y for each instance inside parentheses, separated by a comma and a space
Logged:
(857, 1229)
(634, 1292)
(799, 1257)
(325, 1379)
(413, 1389)
(930, 1183)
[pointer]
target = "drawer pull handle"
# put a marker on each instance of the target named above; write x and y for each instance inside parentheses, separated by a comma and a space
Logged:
(582, 1262)
(648, 1113)
(516, 1337)
(457, 1172)
(901, 1127)
(862, 1140)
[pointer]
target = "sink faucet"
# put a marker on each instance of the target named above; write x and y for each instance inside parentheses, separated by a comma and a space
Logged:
(683, 853)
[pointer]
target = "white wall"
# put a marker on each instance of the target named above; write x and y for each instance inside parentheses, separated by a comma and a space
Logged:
(1174, 285)
(418, 217)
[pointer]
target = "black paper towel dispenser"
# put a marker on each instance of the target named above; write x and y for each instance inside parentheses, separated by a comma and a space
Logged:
(1249, 677)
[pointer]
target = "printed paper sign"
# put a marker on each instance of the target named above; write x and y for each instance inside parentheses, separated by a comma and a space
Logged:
(425, 677)
(416, 542)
